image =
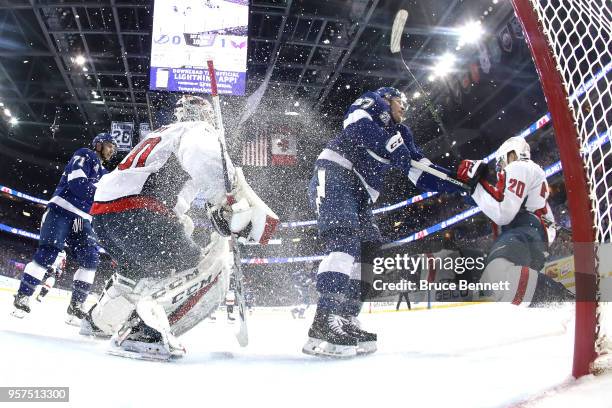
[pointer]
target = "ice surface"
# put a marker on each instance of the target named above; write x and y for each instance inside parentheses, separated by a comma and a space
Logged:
(473, 356)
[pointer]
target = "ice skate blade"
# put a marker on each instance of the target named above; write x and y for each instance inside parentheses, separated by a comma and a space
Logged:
(366, 347)
(18, 313)
(322, 348)
(144, 351)
(86, 330)
(73, 321)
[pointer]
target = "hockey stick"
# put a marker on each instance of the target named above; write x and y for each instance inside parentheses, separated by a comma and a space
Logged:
(397, 30)
(439, 174)
(242, 334)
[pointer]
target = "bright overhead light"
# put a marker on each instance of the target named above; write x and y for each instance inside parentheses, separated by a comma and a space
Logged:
(7, 112)
(291, 113)
(27, 214)
(470, 33)
(79, 60)
(13, 121)
(445, 65)
(416, 95)
(85, 69)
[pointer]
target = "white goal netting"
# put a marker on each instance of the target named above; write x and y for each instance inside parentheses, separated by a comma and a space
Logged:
(579, 34)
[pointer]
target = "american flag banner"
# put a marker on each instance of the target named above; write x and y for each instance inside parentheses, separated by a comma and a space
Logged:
(255, 150)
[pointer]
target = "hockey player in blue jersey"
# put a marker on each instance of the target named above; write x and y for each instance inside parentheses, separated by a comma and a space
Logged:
(348, 177)
(67, 222)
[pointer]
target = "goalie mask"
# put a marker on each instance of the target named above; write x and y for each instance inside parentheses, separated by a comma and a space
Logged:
(515, 144)
(191, 108)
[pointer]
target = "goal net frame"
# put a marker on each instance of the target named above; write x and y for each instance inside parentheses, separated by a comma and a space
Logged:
(578, 189)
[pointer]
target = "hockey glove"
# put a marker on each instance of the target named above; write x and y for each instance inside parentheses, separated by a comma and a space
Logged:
(471, 172)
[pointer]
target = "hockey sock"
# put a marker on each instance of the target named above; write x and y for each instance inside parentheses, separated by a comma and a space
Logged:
(333, 276)
(33, 275)
(28, 285)
(330, 286)
(354, 292)
(80, 290)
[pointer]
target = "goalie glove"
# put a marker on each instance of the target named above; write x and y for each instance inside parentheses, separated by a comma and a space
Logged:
(244, 213)
(471, 172)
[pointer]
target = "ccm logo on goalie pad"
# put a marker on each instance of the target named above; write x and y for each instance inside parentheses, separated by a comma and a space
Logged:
(187, 291)
(395, 142)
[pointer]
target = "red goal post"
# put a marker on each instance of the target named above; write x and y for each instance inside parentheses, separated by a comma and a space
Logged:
(570, 46)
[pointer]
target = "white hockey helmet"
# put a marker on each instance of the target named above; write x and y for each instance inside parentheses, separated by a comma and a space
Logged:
(515, 144)
(190, 108)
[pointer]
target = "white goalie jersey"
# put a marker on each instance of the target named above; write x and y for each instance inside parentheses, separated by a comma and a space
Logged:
(166, 171)
(521, 185)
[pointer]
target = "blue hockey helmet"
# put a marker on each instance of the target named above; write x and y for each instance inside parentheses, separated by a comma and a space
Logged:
(390, 92)
(103, 137)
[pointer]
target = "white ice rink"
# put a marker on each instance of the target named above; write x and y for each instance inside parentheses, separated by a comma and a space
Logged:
(472, 356)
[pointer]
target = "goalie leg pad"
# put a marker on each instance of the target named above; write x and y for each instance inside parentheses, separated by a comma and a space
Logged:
(146, 334)
(115, 305)
(188, 297)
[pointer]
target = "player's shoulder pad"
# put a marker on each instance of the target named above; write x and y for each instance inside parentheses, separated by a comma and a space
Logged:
(87, 153)
(377, 109)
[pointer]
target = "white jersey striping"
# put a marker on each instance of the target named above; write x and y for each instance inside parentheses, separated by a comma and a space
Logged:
(173, 165)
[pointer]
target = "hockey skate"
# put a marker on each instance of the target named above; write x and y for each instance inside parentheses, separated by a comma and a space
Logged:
(21, 306)
(75, 314)
(327, 337)
(366, 341)
(136, 339)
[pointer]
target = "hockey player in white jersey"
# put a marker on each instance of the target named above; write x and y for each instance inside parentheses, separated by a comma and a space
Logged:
(517, 204)
(165, 282)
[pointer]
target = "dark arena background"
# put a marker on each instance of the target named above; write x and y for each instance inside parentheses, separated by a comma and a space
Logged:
(475, 73)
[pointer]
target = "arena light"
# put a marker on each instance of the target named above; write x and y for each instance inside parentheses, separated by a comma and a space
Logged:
(291, 113)
(14, 121)
(79, 60)
(470, 33)
(7, 112)
(445, 64)
(416, 95)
